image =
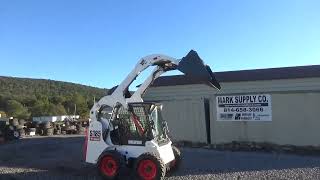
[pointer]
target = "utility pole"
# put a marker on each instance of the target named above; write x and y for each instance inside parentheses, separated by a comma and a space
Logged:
(75, 110)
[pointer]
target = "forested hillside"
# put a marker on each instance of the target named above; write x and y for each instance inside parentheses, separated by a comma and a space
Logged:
(24, 97)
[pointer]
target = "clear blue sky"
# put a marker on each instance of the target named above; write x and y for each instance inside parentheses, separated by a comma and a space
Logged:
(98, 42)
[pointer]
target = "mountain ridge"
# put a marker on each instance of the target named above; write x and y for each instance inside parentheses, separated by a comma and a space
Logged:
(37, 97)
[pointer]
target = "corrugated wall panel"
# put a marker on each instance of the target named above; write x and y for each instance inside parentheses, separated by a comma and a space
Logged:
(185, 119)
(295, 121)
(297, 125)
(196, 90)
(178, 92)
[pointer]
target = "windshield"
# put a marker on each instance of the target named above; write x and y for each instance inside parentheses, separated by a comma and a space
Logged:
(159, 125)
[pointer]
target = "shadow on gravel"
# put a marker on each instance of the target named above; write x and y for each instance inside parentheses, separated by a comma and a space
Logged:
(53, 175)
(57, 157)
(202, 161)
(61, 157)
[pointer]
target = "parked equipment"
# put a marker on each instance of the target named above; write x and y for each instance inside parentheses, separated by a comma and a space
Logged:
(11, 129)
(126, 131)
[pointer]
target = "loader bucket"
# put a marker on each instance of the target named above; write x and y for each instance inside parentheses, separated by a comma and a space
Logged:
(193, 67)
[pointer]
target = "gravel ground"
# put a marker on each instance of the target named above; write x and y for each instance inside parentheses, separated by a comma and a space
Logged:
(60, 157)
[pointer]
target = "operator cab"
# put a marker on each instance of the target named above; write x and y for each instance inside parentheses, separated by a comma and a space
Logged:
(140, 123)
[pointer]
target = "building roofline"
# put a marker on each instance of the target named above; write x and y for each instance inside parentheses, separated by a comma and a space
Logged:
(295, 72)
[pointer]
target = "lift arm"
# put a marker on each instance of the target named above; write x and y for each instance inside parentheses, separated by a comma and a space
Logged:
(191, 65)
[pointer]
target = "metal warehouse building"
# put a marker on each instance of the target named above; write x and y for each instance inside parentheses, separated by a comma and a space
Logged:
(278, 105)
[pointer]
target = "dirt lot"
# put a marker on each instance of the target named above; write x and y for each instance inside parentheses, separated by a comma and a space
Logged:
(60, 157)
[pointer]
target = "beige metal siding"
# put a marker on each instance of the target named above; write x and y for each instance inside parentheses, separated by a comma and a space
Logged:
(183, 109)
(295, 109)
(201, 90)
(295, 121)
(284, 86)
(185, 120)
(178, 92)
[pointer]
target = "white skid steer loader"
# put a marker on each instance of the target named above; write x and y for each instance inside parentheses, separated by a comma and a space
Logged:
(126, 131)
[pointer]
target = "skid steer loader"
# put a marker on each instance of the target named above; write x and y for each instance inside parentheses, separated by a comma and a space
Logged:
(126, 131)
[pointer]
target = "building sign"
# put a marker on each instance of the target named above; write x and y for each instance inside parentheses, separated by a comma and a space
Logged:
(244, 108)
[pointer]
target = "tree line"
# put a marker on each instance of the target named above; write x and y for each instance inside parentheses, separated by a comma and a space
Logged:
(25, 98)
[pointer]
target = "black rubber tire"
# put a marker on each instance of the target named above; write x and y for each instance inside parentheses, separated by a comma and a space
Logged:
(114, 159)
(63, 128)
(38, 131)
(49, 132)
(67, 123)
(58, 132)
(175, 164)
(41, 132)
(7, 134)
(36, 124)
(156, 160)
(47, 125)
(72, 127)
